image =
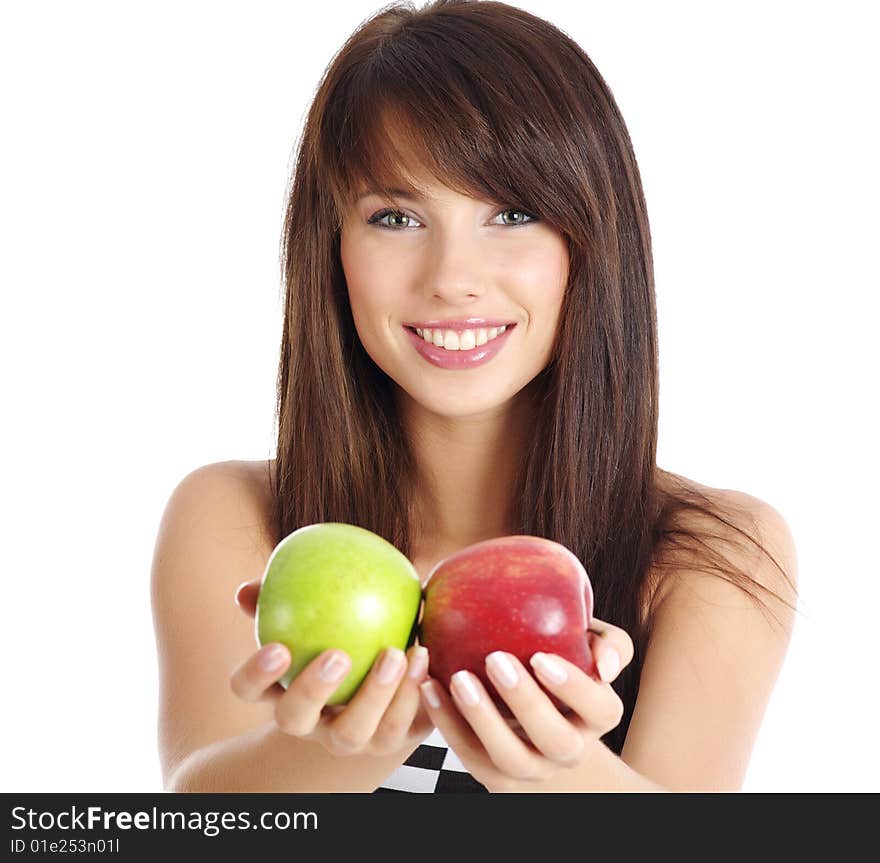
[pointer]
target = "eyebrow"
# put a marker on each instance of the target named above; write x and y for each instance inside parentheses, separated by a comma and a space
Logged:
(396, 193)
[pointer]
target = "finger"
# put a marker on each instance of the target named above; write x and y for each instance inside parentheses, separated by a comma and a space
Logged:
(246, 596)
(444, 715)
(299, 709)
(597, 704)
(422, 725)
(612, 648)
(255, 679)
(353, 728)
(398, 721)
(507, 751)
(551, 733)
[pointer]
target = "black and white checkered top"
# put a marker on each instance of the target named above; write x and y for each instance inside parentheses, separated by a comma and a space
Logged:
(433, 768)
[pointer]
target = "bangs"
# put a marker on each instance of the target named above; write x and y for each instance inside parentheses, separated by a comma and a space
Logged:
(396, 159)
(399, 155)
(429, 106)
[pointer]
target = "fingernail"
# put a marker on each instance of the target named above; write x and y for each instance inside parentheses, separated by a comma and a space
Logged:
(418, 664)
(389, 666)
(549, 668)
(502, 668)
(609, 664)
(333, 668)
(464, 687)
(430, 693)
(272, 657)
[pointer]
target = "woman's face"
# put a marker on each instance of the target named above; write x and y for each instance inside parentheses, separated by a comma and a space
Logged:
(453, 257)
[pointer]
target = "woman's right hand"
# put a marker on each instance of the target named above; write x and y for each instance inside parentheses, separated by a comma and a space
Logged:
(384, 716)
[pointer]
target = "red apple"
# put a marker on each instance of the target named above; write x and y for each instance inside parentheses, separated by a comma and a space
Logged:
(520, 594)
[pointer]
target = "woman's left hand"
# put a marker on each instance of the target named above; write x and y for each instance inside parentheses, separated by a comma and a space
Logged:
(504, 760)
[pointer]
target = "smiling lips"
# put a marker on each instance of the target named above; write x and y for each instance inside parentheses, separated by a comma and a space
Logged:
(460, 340)
(459, 349)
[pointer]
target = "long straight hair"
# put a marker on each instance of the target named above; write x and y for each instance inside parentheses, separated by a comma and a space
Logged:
(502, 106)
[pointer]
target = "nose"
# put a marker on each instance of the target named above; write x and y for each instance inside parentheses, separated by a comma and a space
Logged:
(457, 271)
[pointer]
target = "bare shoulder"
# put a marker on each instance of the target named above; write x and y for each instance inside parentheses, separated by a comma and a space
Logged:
(753, 534)
(239, 487)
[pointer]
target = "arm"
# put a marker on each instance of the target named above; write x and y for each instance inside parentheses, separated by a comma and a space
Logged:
(212, 537)
(710, 669)
(601, 770)
(267, 759)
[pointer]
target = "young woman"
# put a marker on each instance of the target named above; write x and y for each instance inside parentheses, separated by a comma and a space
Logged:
(469, 351)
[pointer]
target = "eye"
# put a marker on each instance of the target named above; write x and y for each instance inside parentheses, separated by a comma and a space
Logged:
(520, 221)
(376, 219)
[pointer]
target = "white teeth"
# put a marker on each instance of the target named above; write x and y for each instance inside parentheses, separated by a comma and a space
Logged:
(464, 340)
(451, 340)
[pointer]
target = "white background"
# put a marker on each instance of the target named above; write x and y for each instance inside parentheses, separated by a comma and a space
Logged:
(142, 175)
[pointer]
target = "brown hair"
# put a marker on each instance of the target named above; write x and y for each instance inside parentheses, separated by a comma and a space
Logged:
(503, 106)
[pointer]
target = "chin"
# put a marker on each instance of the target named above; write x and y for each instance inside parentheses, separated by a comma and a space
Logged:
(455, 400)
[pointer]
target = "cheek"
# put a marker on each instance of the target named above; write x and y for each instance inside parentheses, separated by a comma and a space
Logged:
(541, 277)
(368, 283)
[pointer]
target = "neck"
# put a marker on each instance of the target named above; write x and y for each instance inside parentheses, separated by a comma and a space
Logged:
(468, 469)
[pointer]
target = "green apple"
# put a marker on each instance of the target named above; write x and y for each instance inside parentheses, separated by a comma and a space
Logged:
(335, 585)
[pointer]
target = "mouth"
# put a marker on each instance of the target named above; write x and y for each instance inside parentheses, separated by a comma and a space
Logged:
(459, 350)
(463, 340)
